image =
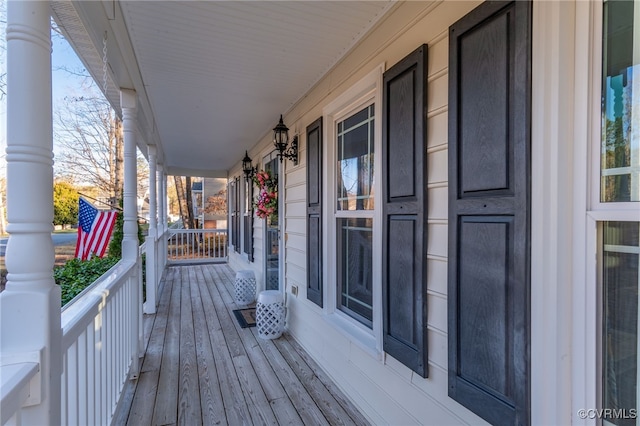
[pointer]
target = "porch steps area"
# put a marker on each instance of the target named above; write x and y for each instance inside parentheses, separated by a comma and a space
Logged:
(202, 368)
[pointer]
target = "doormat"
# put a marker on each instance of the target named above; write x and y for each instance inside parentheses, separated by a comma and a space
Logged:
(246, 317)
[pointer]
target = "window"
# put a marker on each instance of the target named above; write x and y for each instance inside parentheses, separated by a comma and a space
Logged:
(351, 216)
(355, 171)
(355, 161)
(248, 219)
(620, 277)
(620, 187)
(620, 141)
(234, 212)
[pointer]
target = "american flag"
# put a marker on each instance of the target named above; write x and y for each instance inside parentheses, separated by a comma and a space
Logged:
(94, 230)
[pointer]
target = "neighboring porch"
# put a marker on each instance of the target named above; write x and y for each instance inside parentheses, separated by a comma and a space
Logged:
(200, 367)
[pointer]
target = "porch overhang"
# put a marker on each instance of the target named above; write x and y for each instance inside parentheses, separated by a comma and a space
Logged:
(212, 77)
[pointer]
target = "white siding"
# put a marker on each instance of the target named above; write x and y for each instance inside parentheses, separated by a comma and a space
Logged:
(564, 295)
(386, 391)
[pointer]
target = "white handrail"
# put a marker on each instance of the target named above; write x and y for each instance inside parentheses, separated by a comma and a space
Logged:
(15, 389)
(197, 245)
(99, 345)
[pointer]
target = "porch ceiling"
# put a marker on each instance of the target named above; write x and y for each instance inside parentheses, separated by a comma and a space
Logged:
(214, 76)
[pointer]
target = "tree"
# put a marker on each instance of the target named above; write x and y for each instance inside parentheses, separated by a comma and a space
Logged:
(183, 192)
(85, 128)
(65, 203)
(189, 198)
(217, 204)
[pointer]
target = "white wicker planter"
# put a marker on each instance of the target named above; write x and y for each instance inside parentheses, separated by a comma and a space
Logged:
(245, 287)
(270, 314)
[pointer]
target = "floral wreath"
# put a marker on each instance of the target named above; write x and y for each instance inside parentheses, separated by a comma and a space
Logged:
(266, 204)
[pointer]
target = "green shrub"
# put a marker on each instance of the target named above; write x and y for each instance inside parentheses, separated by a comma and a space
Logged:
(76, 275)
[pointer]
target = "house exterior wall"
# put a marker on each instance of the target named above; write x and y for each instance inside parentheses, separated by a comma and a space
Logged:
(564, 297)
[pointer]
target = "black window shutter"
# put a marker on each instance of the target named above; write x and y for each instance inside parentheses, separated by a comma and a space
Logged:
(248, 223)
(232, 212)
(489, 199)
(235, 225)
(238, 215)
(404, 174)
(314, 212)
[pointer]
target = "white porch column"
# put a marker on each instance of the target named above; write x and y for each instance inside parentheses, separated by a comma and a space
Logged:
(165, 214)
(151, 246)
(30, 305)
(162, 222)
(130, 242)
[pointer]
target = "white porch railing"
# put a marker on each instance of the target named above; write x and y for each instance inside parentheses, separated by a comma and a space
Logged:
(100, 342)
(16, 390)
(197, 245)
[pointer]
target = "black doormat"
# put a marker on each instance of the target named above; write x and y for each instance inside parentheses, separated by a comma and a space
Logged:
(246, 317)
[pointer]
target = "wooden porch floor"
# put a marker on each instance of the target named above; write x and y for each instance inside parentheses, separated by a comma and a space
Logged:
(201, 368)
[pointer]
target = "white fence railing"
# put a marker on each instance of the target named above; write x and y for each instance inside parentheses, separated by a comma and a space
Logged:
(100, 344)
(197, 245)
(16, 390)
(102, 332)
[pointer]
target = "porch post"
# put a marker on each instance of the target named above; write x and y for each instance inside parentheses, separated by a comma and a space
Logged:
(152, 282)
(165, 214)
(30, 305)
(130, 241)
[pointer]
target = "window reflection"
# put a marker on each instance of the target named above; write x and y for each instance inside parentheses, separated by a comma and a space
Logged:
(621, 258)
(620, 148)
(355, 268)
(355, 161)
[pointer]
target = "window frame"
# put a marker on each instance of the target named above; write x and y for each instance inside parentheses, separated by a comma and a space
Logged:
(363, 93)
(598, 211)
(626, 211)
(352, 214)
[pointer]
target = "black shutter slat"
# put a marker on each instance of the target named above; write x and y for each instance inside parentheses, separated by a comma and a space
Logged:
(248, 223)
(314, 212)
(489, 199)
(404, 282)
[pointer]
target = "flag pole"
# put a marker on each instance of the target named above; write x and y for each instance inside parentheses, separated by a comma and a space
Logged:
(107, 204)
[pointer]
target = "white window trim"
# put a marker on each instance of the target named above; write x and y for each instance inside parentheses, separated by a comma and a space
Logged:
(614, 210)
(588, 330)
(268, 156)
(365, 92)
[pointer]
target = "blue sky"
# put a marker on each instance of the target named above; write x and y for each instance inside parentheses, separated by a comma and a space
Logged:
(63, 83)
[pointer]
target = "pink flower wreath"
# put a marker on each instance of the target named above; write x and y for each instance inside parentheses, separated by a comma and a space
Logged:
(266, 204)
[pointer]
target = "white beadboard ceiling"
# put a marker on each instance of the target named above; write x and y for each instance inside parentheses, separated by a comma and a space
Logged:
(218, 74)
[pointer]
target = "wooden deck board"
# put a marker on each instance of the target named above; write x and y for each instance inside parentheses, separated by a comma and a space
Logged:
(165, 410)
(189, 392)
(235, 405)
(210, 394)
(146, 388)
(202, 368)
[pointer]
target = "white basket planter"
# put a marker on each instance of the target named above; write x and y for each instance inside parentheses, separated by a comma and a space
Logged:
(245, 287)
(270, 314)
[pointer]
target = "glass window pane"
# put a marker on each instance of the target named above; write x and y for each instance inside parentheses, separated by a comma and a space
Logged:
(621, 258)
(620, 147)
(354, 268)
(355, 161)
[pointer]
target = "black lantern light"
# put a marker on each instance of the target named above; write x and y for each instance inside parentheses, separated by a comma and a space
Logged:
(247, 167)
(281, 142)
